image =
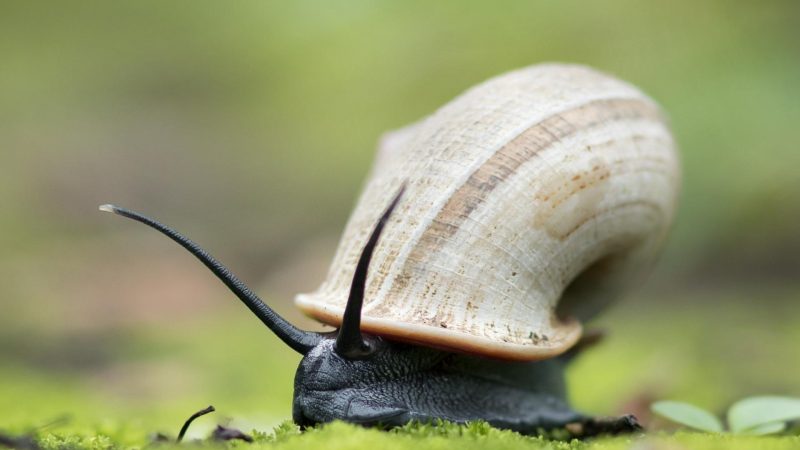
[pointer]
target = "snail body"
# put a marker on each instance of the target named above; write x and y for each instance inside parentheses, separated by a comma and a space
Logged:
(515, 213)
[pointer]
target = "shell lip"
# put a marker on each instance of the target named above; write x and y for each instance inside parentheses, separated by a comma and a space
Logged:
(568, 333)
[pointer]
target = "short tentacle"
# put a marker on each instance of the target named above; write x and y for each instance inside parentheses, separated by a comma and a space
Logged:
(350, 343)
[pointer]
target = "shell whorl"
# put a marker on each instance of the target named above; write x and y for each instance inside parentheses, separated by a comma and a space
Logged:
(549, 184)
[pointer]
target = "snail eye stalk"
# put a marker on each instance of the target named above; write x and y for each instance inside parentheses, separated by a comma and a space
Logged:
(349, 342)
(299, 340)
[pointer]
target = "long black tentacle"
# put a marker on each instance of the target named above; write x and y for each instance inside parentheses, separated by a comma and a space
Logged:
(299, 340)
(349, 342)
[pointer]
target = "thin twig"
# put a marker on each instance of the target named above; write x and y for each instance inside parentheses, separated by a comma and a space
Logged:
(185, 427)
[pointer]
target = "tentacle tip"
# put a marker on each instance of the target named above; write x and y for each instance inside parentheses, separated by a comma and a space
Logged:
(108, 208)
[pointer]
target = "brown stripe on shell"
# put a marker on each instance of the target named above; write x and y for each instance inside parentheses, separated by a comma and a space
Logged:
(502, 165)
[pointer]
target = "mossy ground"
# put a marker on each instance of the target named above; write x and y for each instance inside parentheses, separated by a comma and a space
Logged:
(442, 436)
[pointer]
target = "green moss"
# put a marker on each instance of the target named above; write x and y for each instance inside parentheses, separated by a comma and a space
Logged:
(477, 435)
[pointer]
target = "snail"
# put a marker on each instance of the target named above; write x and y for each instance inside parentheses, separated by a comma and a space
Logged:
(486, 235)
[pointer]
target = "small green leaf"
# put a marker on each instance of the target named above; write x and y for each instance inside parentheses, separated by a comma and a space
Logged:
(687, 414)
(754, 412)
(767, 428)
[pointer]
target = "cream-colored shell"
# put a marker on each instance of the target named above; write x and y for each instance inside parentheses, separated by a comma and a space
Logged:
(514, 189)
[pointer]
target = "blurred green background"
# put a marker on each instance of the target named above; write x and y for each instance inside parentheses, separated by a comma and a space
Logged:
(250, 127)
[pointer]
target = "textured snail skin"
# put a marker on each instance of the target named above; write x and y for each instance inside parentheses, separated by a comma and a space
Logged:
(400, 383)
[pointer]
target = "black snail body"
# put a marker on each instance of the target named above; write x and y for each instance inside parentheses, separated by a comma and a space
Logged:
(524, 206)
(402, 383)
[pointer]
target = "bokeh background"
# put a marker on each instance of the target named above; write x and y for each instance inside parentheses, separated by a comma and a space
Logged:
(251, 125)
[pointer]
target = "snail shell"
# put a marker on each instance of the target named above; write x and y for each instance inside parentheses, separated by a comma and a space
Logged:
(532, 199)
